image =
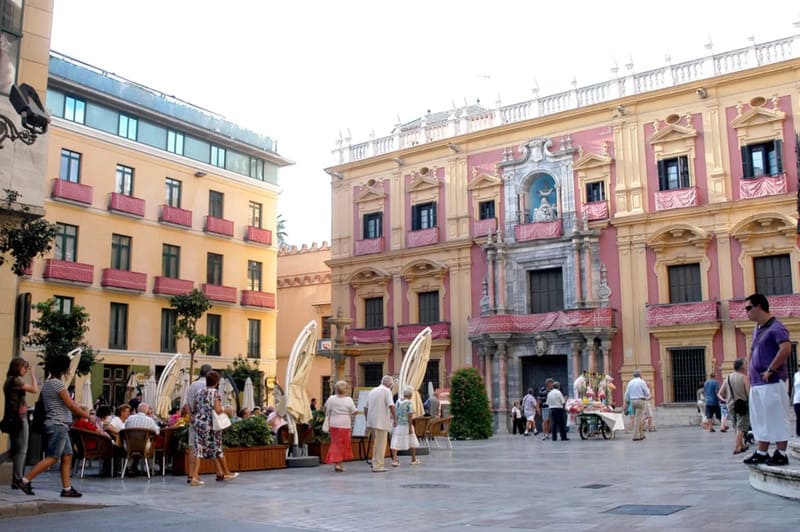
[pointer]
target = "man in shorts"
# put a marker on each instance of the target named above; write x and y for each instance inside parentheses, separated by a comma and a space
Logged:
(529, 411)
(544, 410)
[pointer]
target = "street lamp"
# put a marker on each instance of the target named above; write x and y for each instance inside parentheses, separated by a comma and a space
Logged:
(33, 117)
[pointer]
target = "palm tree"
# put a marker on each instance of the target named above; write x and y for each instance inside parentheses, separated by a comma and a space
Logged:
(282, 234)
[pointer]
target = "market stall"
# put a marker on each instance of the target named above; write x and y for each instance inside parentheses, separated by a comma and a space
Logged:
(591, 411)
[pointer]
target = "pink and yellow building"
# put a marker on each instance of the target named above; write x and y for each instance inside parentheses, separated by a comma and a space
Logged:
(604, 229)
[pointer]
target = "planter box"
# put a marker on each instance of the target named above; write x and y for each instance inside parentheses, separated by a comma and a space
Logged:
(239, 459)
(359, 453)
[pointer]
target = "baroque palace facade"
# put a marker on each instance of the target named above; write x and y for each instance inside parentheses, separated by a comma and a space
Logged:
(604, 229)
(153, 197)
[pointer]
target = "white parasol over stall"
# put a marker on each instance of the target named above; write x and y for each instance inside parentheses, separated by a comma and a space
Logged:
(297, 409)
(413, 367)
(75, 359)
(165, 389)
(248, 401)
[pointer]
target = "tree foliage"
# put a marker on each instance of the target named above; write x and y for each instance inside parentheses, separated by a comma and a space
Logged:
(469, 406)
(241, 370)
(281, 230)
(58, 333)
(190, 308)
(25, 238)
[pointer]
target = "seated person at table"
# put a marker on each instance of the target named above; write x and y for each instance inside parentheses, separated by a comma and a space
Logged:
(183, 417)
(245, 413)
(257, 411)
(274, 420)
(141, 420)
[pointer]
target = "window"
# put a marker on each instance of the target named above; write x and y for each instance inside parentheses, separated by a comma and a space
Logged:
(174, 142)
(173, 192)
(595, 191)
(74, 109)
(429, 307)
(214, 328)
(373, 225)
(169, 318)
(170, 261)
(431, 375)
(688, 370)
(423, 216)
(254, 275)
(128, 127)
(773, 275)
(64, 304)
(218, 156)
(255, 214)
(373, 373)
(10, 37)
(254, 338)
(684, 283)
(214, 269)
(118, 326)
(326, 388)
(215, 204)
(325, 328)
(764, 158)
(124, 180)
(257, 168)
(120, 252)
(66, 242)
(373, 313)
(673, 173)
(70, 166)
(546, 290)
(486, 210)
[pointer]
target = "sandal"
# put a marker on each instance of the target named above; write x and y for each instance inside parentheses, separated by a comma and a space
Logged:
(395, 463)
(197, 482)
(417, 462)
(338, 469)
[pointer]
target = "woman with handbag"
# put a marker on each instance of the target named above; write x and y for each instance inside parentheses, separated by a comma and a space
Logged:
(339, 410)
(208, 440)
(15, 417)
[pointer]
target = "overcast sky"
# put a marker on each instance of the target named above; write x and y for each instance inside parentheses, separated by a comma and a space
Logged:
(302, 71)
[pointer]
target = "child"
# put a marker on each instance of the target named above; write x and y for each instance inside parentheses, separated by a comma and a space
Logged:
(517, 421)
(403, 437)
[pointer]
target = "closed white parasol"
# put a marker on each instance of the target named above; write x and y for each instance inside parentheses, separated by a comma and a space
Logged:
(297, 404)
(165, 389)
(248, 401)
(86, 392)
(415, 363)
(75, 359)
(149, 391)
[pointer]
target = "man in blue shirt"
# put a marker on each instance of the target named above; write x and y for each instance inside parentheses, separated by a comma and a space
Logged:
(710, 390)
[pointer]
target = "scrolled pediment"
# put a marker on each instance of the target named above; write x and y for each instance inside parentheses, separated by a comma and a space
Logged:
(369, 276)
(760, 226)
(679, 235)
(424, 268)
(757, 115)
(481, 178)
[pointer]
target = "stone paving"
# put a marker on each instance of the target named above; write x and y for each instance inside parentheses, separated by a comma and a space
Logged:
(505, 483)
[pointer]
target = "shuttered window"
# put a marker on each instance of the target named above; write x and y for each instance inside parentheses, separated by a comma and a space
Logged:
(546, 290)
(684, 283)
(773, 275)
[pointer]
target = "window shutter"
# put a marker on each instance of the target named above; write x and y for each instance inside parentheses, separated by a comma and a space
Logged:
(662, 175)
(747, 162)
(683, 171)
(778, 144)
(433, 215)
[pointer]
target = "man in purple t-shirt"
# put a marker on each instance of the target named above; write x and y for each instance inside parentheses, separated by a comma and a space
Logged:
(769, 393)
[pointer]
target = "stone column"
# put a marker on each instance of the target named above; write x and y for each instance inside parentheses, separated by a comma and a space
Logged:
(502, 356)
(491, 273)
(587, 260)
(501, 281)
(487, 371)
(577, 347)
(576, 249)
(606, 347)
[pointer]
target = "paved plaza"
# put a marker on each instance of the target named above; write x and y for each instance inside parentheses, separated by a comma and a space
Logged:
(505, 483)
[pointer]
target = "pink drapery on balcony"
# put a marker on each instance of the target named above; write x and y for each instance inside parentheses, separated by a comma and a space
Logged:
(124, 279)
(174, 215)
(72, 191)
(548, 321)
(785, 306)
(596, 210)
(256, 234)
(219, 226)
(676, 199)
(423, 237)
(439, 331)
(214, 292)
(172, 287)
(369, 246)
(252, 298)
(127, 204)
(682, 313)
(369, 336)
(537, 230)
(484, 227)
(762, 186)
(65, 270)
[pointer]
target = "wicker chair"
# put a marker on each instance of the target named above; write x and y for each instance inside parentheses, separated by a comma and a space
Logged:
(138, 443)
(440, 428)
(165, 448)
(89, 445)
(421, 429)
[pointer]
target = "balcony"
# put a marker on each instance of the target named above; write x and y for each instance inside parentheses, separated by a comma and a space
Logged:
(762, 186)
(548, 321)
(439, 331)
(253, 298)
(369, 246)
(169, 286)
(215, 292)
(537, 231)
(423, 237)
(219, 226)
(369, 336)
(782, 307)
(72, 192)
(484, 227)
(258, 235)
(64, 270)
(175, 216)
(124, 279)
(682, 313)
(126, 204)
(676, 199)
(595, 210)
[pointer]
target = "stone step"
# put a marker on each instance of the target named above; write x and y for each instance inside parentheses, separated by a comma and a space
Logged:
(783, 481)
(794, 449)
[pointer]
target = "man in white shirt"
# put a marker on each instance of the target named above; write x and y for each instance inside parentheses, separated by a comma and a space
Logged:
(140, 420)
(636, 394)
(381, 418)
(558, 415)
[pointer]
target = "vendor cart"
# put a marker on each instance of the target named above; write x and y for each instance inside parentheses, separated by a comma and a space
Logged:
(592, 425)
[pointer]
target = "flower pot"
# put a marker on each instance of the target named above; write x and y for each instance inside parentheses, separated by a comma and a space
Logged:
(238, 459)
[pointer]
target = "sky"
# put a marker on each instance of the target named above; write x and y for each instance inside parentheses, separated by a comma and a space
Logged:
(304, 72)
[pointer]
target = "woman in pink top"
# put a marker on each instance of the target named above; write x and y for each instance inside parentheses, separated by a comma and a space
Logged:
(340, 410)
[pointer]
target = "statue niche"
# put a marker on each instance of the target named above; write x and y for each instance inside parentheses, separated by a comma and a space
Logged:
(543, 197)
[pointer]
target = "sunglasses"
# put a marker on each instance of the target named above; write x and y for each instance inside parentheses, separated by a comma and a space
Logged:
(748, 308)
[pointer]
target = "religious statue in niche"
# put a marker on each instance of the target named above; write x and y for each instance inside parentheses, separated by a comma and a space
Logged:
(546, 210)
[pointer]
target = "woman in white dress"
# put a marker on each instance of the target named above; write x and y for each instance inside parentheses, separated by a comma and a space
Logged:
(403, 437)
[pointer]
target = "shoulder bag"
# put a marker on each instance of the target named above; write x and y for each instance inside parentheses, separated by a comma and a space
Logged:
(220, 421)
(326, 425)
